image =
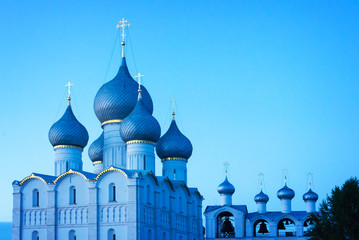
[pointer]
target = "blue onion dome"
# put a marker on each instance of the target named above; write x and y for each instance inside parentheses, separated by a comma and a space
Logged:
(117, 98)
(173, 144)
(96, 149)
(285, 193)
(310, 195)
(226, 187)
(140, 125)
(68, 131)
(261, 197)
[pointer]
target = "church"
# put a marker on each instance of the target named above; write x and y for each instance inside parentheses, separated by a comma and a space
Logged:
(123, 198)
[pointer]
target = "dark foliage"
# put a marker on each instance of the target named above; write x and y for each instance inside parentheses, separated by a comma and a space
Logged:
(338, 216)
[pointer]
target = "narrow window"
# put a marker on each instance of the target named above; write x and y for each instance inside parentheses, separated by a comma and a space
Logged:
(148, 194)
(174, 174)
(72, 195)
(144, 162)
(112, 192)
(35, 198)
(67, 166)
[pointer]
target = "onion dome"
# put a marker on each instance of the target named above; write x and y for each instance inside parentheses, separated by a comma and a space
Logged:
(226, 187)
(285, 193)
(261, 197)
(68, 131)
(117, 98)
(96, 149)
(310, 195)
(173, 144)
(140, 125)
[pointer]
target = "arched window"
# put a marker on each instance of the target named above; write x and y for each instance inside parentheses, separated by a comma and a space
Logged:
(261, 228)
(164, 237)
(225, 225)
(35, 198)
(286, 228)
(35, 235)
(72, 235)
(149, 234)
(308, 224)
(112, 192)
(72, 193)
(148, 192)
(111, 234)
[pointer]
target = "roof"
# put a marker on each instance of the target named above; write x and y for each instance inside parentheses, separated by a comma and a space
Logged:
(274, 215)
(242, 208)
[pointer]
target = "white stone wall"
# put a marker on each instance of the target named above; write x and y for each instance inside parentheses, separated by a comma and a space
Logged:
(144, 209)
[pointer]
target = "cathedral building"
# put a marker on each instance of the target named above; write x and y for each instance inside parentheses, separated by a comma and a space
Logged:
(122, 198)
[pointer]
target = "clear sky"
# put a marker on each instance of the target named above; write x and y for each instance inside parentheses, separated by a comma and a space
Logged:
(264, 85)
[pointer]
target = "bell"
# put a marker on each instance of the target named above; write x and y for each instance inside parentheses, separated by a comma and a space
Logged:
(263, 228)
(281, 226)
(227, 226)
(305, 224)
(287, 222)
(310, 222)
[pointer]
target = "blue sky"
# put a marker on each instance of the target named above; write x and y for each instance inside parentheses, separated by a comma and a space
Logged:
(264, 85)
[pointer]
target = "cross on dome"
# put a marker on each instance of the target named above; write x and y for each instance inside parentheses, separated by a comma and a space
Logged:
(285, 175)
(173, 108)
(122, 24)
(139, 84)
(310, 176)
(68, 85)
(261, 179)
(226, 164)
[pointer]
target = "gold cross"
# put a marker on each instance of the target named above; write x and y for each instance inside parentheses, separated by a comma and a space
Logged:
(122, 24)
(68, 85)
(139, 80)
(226, 164)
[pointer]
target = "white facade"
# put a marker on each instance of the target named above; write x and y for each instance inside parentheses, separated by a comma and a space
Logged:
(116, 202)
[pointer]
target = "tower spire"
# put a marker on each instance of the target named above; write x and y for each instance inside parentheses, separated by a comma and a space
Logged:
(173, 108)
(68, 85)
(122, 24)
(139, 84)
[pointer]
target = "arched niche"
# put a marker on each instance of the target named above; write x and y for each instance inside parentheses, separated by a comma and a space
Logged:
(225, 225)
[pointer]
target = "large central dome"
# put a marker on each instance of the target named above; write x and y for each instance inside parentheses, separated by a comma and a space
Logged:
(117, 98)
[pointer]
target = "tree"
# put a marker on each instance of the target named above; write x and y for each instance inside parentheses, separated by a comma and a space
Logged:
(338, 216)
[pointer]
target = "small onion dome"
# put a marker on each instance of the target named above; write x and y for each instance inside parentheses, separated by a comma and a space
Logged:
(285, 193)
(261, 197)
(68, 131)
(117, 98)
(140, 125)
(96, 149)
(226, 187)
(173, 144)
(310, 195)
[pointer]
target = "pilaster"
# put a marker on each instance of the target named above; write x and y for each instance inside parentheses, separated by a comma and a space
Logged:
(51, 212)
